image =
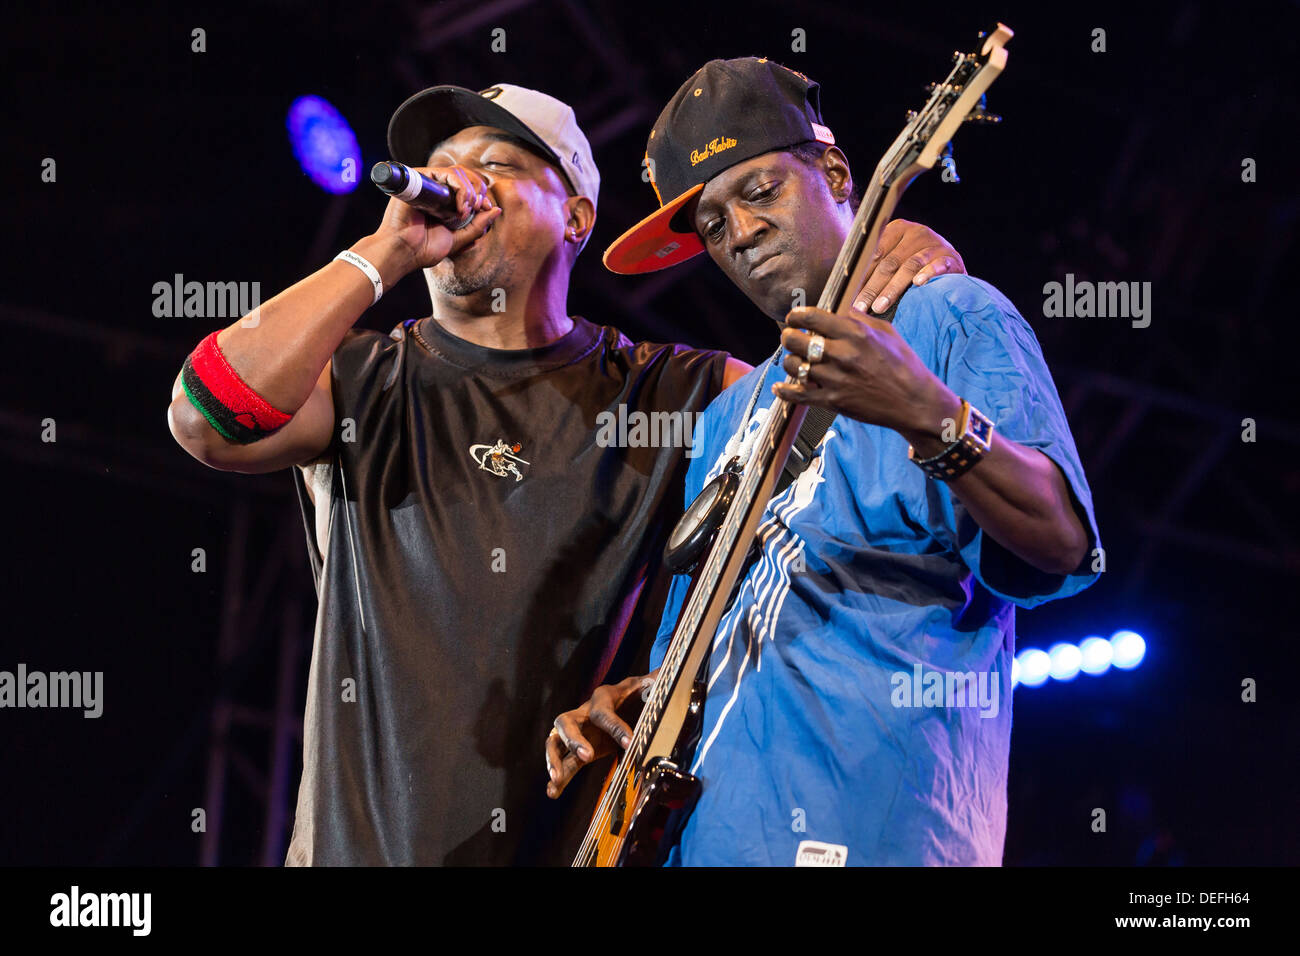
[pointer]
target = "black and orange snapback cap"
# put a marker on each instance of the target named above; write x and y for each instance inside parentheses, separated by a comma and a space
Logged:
(728, 112)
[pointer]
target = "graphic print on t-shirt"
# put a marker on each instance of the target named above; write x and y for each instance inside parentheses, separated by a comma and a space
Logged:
(764, 589)
(499, 459)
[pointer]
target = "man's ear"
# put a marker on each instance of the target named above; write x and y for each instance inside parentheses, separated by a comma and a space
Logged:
(581, 219)
(835, 167)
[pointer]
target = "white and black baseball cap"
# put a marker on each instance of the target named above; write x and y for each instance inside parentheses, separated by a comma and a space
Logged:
(550, 126)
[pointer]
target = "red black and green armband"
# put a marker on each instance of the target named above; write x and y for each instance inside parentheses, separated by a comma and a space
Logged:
(237, 412)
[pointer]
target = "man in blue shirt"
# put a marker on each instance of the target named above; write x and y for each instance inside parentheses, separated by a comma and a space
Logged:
(859, 687)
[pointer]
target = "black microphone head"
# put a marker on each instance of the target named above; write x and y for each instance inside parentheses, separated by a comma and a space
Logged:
(387, 175)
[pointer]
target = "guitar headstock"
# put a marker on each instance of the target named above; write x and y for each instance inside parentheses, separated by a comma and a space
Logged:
(958, 99)
(929, 130)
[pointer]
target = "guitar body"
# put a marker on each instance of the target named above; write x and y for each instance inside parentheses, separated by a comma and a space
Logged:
(661, 797)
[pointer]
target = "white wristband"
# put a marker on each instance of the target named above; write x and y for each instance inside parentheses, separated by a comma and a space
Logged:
(347, 255)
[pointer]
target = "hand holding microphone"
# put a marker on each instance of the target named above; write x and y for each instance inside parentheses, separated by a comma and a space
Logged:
(436, 211)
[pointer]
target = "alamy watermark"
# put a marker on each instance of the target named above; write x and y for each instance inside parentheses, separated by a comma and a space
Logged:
(638, 429)
(82, 690)
(207, 300)
(1086, 300)
(946, 689)
(128, 910)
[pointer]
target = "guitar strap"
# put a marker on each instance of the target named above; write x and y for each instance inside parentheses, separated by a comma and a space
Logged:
(815, 425)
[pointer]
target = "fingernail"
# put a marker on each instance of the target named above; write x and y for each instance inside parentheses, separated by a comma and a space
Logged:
(941, 267)
(552, 772)
(881, 304)
(584, 753)
(860, 305)
(625, 740)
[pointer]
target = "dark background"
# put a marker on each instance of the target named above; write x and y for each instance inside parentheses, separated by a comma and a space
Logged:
(1120, 166)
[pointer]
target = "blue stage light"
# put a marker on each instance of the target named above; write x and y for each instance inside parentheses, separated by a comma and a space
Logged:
(1034, 667)
(1095, 653)
(1065, 660)
(324, 144)
(1128, 649)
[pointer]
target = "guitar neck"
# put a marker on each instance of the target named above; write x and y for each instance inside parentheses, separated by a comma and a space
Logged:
(849, 274)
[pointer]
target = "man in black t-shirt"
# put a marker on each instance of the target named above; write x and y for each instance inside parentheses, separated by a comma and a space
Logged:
(486, 490)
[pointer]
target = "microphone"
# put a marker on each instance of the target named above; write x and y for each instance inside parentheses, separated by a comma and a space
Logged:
(416, 189)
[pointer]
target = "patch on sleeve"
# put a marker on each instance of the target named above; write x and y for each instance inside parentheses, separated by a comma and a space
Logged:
(812, 853)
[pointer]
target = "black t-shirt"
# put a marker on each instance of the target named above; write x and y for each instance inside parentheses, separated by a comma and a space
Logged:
(490, 555)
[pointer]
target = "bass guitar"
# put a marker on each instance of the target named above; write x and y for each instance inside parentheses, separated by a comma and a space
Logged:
(648, 793)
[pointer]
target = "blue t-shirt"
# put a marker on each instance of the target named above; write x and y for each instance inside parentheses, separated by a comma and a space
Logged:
(860, 685)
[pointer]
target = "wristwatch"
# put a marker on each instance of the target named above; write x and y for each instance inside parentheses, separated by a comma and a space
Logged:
(973, 442)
